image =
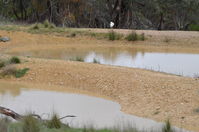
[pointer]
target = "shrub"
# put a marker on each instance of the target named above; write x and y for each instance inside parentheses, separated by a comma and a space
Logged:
(54, 122)
(194, 27)
(167, 127)
(21, 72)
(132, 36)
(2, 64)
(30, 124)
(15, 60)
(8, 70)
(167, 40)
(114, 36)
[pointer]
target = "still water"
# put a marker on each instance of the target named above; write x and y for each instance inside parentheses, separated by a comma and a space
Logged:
(90, 111)
(168, 62)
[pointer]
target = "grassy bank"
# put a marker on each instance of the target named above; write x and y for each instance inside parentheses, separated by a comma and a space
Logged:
(30, 124)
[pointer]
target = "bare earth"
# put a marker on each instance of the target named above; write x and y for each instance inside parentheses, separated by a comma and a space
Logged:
(143, 93)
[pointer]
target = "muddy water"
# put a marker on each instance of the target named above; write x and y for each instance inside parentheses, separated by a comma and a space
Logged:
(174, 63)
(90, 111)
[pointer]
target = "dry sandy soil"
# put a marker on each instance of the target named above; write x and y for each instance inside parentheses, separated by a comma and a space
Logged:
(143, 93)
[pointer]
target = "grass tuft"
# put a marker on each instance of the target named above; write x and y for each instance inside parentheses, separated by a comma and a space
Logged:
(114, 36)
(2, 64)
(132, 36)
(167, 127)
(15, 60)
(54, 122)
(30, 124)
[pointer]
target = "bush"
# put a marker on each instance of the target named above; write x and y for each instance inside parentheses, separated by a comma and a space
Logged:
(15, 60)
(194, 27)
(54, 122)
(114, 36)
(8, 70)
(132, 36)
(47, 24)
(30, 124)
(21, 72)
(2, 64)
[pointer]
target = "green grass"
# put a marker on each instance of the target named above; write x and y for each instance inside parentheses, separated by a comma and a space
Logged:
(167, 127)
(133, 36)
(54, 122)
(30, 124)
(21, 72)
(15, 60)
(114, 36)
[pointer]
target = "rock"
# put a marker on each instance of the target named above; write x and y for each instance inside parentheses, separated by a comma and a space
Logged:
(4, 39)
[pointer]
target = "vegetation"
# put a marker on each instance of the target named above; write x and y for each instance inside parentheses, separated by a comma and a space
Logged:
(133, 36)
(7, 68)
(114, 36)
(54, 122)
(77, 59)
(194, 27)
(131, 14)
(96, 61)
(30, 124)
(15, 60)
(167, 127)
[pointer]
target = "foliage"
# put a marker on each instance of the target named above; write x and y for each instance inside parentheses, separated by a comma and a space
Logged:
(96, 61)
(15, 60)
(132, 36)
(30, 124)
(194, 27)
(21, 72)
(2, 64)
(54, 122)
(114, 36)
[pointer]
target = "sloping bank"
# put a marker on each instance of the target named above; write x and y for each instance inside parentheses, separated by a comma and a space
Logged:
(142, 93)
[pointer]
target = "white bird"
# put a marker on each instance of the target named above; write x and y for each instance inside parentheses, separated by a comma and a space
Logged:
(112, 24)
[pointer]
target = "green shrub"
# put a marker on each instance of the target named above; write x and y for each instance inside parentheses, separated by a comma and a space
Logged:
(194, 27)
(132, 36)
(114, 36)
(30, 124)
(167, 127)
(54, 122)
(15, 60)
(2, 64)
(21, 72)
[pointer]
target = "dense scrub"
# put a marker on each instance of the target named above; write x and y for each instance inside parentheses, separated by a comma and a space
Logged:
(133, 14)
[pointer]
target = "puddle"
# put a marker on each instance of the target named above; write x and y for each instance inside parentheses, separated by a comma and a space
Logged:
(174, 63)
(90, 111)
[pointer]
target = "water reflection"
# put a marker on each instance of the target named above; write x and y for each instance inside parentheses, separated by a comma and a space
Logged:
(174, 63)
